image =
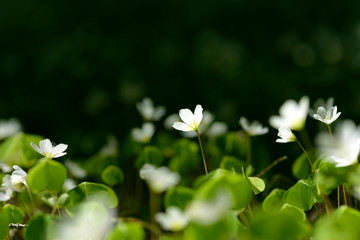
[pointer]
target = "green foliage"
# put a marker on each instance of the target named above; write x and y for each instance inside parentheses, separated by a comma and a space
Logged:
(47, 175)
(4, 224)
(226, 228)
(16, 150)
(13, 213)
(256, 184)
(178, 196)
(151, 155)
(112, 175)
(41, 227)
(94, 192)
(186, 157)
(235, 185)
(274, 201)
(301, 167)
(128, 231)
(230, 162)
(300, 195)
(343, 224)
(293, 211)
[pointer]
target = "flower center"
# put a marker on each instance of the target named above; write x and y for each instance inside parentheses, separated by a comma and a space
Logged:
(49, 154)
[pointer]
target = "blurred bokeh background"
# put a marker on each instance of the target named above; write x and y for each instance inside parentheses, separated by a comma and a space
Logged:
(73, 71)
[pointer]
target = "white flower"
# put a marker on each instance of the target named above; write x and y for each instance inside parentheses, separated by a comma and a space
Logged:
(143, 134)
(327, 113)
(9, 128)
(48, 150)
(285, 135)
(217, 129)
(344, 147)
(209, 212)
(206, 121)
(5, 168)
(148, 111)
(159, 179)
(75, 169)
(69, 184)
(253, 129)
(292, 114)
(90, 222)
(173, 220)
(6, 189)
(190, 121)
(18, 179)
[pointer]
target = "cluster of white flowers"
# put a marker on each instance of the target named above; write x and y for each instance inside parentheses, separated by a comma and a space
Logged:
(14, 182)
(203, 212)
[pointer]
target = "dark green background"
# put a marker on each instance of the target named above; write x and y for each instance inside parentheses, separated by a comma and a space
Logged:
(73, 70)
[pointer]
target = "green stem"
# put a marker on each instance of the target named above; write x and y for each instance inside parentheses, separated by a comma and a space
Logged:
(202, 152)
(328, 125)
(303, 149)
(338, 196)
(248, 155)
(31, 198)
(154, 208)
(271, 166)
(344, 192)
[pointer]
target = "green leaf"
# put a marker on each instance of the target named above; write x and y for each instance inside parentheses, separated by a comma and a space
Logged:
(186, 157)
(16, 150)
(301, 167)
(227, 228)
(41, 227)
(112, 175)
(4, 224)
(150, 154)
(273, 202)
(343, 224)
(128, 231)
(230, 162)
(300, 195)
(178, 196)
(13, 214)
(294, 212)
(278, 226)
(256, 184)
(236, 185)
(47, 175)
(92, 191)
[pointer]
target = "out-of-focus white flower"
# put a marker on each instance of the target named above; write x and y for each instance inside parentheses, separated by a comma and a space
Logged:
(143, 134)
(253, 129)
(292, 114)
(344, 147)
(148, 111)
(285, 135)
(216, 129)
(209, 212)
(170, 120)
(173, 220)
(91, 221)
(9, 128)
(110, 148)
(18, 179)
(69, 184)
(190, 121)
(159, 179)
(6, 189)
(75, 169)
(48, 150)
(321, 103)
(5, 168)
(327, 116)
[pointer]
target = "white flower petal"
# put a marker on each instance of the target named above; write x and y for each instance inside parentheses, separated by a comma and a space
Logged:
(45, 145)
(59, 154)
(59, 148)
(182, 126)
(198, 114)
(36, 148)
(186, 116)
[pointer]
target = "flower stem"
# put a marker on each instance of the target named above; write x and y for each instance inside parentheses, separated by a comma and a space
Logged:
(338, 196)
(271, 166)
(307, 155)
(330, 132)
(248, 154)
(344, 192)
(154, 208)
(202, 152)
(31, 198)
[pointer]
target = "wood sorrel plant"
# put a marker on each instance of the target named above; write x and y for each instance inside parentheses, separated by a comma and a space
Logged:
(104, 196)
